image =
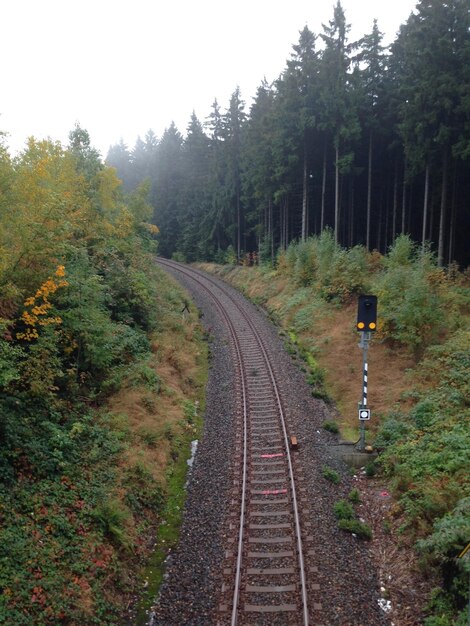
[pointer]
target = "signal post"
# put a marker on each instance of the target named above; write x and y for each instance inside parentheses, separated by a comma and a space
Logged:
(366, 325)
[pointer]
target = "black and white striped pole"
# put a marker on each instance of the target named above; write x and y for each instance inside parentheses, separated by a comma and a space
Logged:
(366, 324)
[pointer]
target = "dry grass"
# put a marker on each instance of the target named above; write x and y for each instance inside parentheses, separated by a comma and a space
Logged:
(341, 357)
(150, 416)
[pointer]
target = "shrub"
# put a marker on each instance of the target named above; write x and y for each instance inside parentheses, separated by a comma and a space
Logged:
(230, 256)
(305, 262)
(143, 491)
(142, 374)
(354, 496)
(344, 510)
(331, 426)
(392, 431)
(371, 469)
(443, 546)
(179, 257)
(114, 518)
(265, 254)
(356, 527)
(320, 262)
(331, 475)
(411, 297)
(11, 356)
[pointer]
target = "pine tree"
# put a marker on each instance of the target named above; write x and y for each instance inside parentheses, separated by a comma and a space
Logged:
(166, 193)
(195, 201)
(233, 122)
(258, 175)
(431, 79)
(372, 62)
(304, 69)
(340, 116)
(119, 157)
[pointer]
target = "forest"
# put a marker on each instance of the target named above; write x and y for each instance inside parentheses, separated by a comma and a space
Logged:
(370, 141)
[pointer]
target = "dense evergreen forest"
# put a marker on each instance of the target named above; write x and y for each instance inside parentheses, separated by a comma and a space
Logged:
(369, 141)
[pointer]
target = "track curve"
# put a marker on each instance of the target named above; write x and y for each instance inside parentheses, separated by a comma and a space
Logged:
(265, 578)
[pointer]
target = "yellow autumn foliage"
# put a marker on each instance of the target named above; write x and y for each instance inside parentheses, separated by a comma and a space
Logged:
(40, 306)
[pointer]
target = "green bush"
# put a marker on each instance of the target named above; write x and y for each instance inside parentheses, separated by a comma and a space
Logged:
(143, 491)
(344, 510)
(141, 374)
(230, 256)
(335, 273)
(356, 527)
(444, 612)
(114, 518)
(11, 357)
(331, 426)
(371, 469)
(354, 496)
(305, 262)
(442, 547)
(331, 475)
(411, 296)
(391, 431)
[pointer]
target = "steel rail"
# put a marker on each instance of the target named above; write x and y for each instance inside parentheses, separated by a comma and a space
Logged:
(191, 273)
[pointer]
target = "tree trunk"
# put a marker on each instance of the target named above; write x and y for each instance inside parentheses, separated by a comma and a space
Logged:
(283, 222)
(369, 192)
(430, 214)
(403, 200)
(336, 194)
(440, 249)
(425, 207)
(287, 220)
(268, 222)
(304, 196)
(453, 215)
(271, 233)
(323, 189)
(379, 228)
(351, 212)
(395, 202)
(386, 203)
(238, 226)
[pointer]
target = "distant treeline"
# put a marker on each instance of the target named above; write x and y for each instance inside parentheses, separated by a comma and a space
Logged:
(367, 140)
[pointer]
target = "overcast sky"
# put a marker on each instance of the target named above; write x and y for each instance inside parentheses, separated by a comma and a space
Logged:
(120, 67)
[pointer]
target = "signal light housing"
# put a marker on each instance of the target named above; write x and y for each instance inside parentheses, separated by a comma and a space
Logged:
(367, 314)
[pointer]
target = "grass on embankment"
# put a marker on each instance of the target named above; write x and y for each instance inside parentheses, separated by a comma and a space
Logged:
(419, 387)
(161, 423)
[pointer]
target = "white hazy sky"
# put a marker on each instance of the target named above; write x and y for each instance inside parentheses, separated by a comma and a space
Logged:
(120, 67)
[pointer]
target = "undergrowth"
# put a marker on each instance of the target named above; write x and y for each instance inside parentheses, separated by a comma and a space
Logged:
(78, 494)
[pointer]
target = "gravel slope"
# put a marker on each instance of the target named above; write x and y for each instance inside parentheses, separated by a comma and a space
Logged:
(347, 592)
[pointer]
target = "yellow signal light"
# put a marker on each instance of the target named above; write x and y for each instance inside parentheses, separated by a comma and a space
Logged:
(361, 325)
(372, 325)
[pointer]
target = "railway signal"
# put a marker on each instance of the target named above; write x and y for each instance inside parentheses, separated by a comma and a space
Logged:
(367, 313)
(366, 323)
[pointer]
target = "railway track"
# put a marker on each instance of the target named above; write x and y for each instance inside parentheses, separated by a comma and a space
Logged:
(265, 575)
